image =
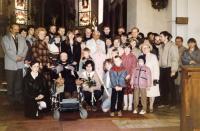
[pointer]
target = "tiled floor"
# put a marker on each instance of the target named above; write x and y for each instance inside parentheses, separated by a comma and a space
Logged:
(162, 120)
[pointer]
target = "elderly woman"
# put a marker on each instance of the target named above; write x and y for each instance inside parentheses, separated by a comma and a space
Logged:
(192, 55)
(153, 64)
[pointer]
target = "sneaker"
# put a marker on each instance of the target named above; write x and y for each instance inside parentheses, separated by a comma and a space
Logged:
(135, 112)
(161, 106)
(112, 114)
(125, 108)
(119, 113)
(142, 112)
(130, 108)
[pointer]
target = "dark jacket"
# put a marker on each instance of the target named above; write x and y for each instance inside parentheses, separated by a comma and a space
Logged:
(74, 55)
(33, 88)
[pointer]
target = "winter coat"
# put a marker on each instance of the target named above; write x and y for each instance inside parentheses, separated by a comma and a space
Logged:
(118, 76)
(141, 77)
(129, 62)
(33, 88)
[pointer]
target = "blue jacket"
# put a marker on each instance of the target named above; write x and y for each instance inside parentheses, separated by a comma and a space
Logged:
(117, 78)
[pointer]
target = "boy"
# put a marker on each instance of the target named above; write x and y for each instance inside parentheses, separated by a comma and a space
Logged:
(118, 83)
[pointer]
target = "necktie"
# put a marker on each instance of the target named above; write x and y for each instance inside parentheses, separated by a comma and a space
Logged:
(16, 42)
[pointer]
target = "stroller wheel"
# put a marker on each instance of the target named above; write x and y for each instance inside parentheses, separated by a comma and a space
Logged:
(56, 114)
(83, 113)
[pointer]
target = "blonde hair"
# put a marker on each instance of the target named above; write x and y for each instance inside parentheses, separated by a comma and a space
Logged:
(38, 30)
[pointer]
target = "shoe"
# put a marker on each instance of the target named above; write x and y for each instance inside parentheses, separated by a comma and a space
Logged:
(112, 114)
(135, 112)
(119, 113)
(161, 106)
(94, 108)
(151, 110)
(130, 108)
(142, 112)
(172, 107)
(125, 108)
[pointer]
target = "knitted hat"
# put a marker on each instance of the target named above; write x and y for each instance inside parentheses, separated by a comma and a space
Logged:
(143, 58)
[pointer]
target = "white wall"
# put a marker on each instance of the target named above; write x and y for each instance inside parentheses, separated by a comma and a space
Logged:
(147, 18)
(194, 23)
(142, 15)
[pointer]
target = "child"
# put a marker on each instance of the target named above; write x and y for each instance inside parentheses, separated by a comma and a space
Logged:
(69, 75)
(35, 91)
(129, 62)
(86, 56)
(135, 50)
(141, 81)
(106, 79)
(117, 76)
(91, 85)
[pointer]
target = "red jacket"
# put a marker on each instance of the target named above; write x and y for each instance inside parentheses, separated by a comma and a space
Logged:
(129, 62)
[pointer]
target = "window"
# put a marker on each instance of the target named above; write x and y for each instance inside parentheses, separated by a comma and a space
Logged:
(84, 12)
(21, 11)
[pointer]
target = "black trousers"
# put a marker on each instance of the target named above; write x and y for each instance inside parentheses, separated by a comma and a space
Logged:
(116, 98)
(167, 87)
(88, 97)
(14, 80)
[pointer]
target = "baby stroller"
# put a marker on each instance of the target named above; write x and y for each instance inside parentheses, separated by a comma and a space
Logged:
(61, 105)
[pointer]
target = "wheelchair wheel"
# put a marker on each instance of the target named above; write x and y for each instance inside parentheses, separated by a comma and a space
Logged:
(56, 114)
(83, 113)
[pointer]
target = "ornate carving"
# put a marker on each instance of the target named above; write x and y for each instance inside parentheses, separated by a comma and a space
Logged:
(159, 4)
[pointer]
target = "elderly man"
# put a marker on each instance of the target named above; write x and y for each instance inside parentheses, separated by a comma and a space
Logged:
(15, 50)
(95, 43)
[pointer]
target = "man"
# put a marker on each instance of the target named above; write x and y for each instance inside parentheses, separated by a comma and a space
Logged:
(121, 30)
(15, 49)
(88, 34)
(181, 49)
(52, 32)
(106, 33)
(168, 60)
(95, 43)
(61, 32)
(135, 35)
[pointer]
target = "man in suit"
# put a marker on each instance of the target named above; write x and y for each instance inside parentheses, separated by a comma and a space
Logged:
(15, 49)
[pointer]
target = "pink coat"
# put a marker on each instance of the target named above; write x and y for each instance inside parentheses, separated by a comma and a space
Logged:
(129, 62)
(141, 77)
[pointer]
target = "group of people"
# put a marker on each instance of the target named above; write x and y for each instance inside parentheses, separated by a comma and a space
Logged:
(111, 70)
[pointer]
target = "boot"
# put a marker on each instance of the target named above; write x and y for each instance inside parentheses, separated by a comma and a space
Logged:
(125, 102)
(130, 103)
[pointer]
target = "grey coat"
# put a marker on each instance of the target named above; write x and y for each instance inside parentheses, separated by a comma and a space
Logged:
(187, 57)
(11, 53)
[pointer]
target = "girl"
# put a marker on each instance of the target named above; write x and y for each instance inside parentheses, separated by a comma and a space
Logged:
(91, 85)
(129, 62)
(140, 81)
(106, 79)
(35, 91)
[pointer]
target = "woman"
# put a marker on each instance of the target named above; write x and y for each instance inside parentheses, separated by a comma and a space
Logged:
(72, 48)
(192, 55)
(91, 85)
(153, 64)
(35, 91)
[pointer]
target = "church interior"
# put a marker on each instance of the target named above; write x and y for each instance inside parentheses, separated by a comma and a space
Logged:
(178, 17)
